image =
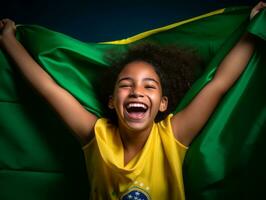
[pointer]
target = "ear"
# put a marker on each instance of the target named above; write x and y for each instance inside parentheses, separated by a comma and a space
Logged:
(110, 102)
(163, 104)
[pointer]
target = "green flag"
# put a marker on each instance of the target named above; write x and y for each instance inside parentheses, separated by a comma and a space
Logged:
(40, 159)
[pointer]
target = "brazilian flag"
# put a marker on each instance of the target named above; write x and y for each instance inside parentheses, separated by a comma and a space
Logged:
(40, 159)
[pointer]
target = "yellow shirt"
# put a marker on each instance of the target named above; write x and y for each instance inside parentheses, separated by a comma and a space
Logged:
(154, 173)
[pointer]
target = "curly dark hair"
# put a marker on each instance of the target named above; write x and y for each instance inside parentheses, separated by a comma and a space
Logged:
(174, 66)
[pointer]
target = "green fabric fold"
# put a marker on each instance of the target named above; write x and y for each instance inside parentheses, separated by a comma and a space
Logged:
(40, 159)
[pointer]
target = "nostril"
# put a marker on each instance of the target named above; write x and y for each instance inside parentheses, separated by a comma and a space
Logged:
(136, 94)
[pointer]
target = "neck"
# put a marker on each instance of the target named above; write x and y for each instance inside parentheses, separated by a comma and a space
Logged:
(133, 141)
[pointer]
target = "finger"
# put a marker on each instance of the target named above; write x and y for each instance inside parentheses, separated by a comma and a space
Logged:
(1, 24)
(263, 5)
(260, 5)
(256, 9)
(6, 20)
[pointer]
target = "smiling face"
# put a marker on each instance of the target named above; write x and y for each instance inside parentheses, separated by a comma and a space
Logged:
(137, 96)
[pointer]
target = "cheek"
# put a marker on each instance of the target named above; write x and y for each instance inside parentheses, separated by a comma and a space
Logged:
(119, 96)
(156, 99)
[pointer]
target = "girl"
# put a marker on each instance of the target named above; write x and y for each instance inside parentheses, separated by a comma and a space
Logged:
(135, 158)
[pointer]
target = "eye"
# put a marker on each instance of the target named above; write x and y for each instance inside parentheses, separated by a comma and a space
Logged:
(124, 85)
(150, 87)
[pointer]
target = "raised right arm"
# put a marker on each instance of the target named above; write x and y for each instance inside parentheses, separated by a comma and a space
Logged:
(77, 118)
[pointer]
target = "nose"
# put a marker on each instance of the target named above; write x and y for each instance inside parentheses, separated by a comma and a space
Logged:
(136, 91)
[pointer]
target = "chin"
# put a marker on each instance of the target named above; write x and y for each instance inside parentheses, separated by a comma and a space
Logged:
(137, 126)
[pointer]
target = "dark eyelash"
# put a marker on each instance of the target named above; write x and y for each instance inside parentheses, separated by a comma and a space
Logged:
(150, 86)
(124, 85)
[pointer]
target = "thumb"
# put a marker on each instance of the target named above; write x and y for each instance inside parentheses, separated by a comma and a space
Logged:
(261, 5)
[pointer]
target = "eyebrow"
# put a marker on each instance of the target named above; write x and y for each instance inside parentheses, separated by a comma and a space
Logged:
(145, 79)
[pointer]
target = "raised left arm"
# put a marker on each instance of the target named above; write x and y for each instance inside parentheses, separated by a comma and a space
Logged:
(187, 123)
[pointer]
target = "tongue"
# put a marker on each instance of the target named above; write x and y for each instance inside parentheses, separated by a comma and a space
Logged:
(136, 115)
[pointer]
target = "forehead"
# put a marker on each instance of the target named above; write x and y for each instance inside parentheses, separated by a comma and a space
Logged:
(139, 69)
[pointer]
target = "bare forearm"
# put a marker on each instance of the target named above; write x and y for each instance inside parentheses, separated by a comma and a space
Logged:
(78, 119)
(30, 69)
(235, 62)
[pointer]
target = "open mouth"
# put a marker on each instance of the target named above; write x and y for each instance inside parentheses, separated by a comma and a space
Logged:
(136, 110)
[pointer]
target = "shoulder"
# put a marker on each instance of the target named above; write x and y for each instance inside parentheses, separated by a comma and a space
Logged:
(103, 129)
(103, 125)
(165, 124)
(166, 133)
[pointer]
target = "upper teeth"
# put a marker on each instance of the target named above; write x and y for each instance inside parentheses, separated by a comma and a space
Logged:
(136, 105)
